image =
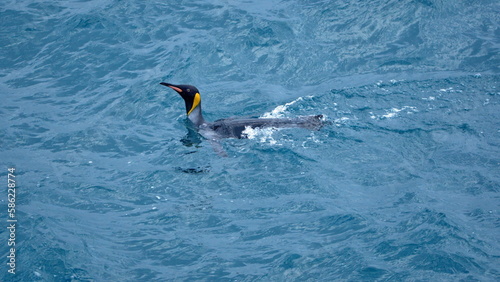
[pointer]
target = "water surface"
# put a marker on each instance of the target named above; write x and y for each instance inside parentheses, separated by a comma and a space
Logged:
(402, 185)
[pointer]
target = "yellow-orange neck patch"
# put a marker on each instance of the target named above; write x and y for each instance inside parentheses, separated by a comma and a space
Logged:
(196, 102)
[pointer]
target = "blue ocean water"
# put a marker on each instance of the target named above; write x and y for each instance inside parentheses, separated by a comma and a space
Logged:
(401, 185)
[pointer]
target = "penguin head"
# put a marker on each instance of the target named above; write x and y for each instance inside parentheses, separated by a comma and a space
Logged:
(189, 93)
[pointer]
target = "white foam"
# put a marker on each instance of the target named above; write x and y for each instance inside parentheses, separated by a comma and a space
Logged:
(279, 111)
(264, 135)
(393, 81)
(312, 138)
(338, 121)
(395, 111)
(391, 114)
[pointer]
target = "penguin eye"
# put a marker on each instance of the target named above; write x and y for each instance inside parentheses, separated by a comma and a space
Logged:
(188, 90)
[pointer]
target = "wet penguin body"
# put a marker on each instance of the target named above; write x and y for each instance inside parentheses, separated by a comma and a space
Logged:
(234, 127)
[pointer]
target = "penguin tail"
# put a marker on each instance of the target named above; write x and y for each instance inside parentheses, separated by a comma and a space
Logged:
(312, 122)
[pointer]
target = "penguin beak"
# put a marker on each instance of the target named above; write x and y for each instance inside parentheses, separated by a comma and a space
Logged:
(176, 88)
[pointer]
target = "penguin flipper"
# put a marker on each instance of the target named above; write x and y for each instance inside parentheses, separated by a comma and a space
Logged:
(218, 148)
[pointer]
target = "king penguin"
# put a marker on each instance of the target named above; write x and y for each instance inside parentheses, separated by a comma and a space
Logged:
(235, 127)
